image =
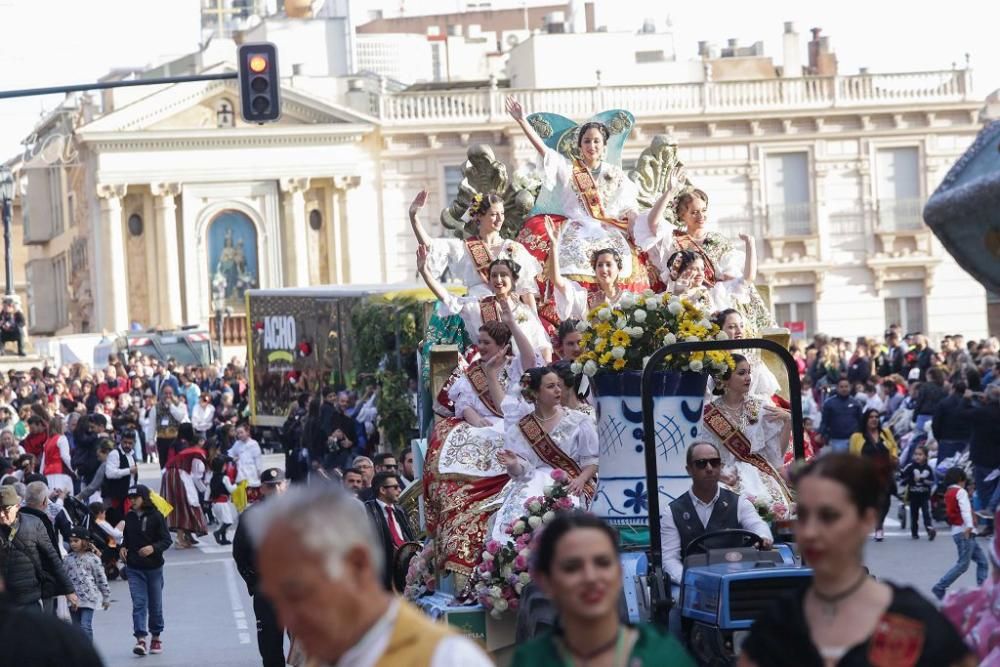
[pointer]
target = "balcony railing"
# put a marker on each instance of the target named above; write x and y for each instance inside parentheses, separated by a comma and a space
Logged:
(234, 330)
(898, 215)
(487, 104)
(790, 219)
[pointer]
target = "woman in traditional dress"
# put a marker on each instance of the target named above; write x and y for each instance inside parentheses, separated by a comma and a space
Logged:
(722, 262)
(476, 310)
(469, 260)
(598, 200)
(183, 487)
(751, 433)
(763, 381)
(574, 394)
(541, 434)
(461, 474)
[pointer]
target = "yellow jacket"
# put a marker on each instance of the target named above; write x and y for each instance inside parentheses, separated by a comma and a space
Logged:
(857, 442)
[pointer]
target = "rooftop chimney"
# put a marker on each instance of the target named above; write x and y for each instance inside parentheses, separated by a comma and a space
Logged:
(822, 61)
(733, 42)
(792, 56)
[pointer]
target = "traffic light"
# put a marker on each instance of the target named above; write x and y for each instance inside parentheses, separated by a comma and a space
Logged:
(260, 88)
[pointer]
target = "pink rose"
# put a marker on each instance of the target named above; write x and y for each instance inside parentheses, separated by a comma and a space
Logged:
(493, 547)
(512, 604)
(521, 563)
(559, 475)
(564, 504)
(485, 567)
(486, 601)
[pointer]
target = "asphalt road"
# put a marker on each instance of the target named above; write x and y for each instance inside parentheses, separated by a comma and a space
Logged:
(209, 618)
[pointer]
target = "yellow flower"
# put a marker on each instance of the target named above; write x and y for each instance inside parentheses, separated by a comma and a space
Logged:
(600, 344)
(619, 364)
(620, 339)
(585, 338)
(604, 359)
(602, 329)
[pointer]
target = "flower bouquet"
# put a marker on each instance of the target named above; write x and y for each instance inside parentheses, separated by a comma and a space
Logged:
(421, 575)
(504, 571)
(773, 512)
(622, 337)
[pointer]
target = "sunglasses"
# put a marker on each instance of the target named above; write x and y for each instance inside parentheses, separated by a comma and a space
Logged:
(701, 464)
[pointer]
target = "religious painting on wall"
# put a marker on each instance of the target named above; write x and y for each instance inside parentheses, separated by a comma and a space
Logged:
(232, 257)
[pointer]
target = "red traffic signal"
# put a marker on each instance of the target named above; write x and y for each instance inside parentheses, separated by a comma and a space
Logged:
(260, 87)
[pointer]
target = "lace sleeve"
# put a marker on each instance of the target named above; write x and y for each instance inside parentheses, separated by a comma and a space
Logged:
(625, 198)
(555, 169)
(645, 239)
(444, 254)
(571, 302)
(587, 446)
(464, 396)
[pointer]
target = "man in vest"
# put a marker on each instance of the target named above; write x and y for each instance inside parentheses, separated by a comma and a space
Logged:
(389, 520)
(321, 566)
(705, 508)
(120, 474)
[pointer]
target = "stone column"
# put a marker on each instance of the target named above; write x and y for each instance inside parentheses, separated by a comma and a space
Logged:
(296, 243)
(340, 261)
(111, 290)
(170, 261)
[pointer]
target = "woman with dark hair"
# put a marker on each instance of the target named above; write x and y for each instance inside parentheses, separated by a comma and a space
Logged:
(568, 340)
(576, 564)
(476, 310)
(751, 433)
(468, 260)
(541, 435)
(844, 616)
(877, 444)
(732, 323)
(599, 202)
(572, 397)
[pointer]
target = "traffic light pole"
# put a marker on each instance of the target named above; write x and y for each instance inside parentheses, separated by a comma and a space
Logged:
(30, 92)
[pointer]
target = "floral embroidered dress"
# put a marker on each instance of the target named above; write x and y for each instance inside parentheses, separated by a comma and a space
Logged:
(576, 437)
(750, 447)
(461, 470)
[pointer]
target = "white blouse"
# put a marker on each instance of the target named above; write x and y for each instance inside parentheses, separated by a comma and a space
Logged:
(452, 254)
(467, 307)
(575, 434)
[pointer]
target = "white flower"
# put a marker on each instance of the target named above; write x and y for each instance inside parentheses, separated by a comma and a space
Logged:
(639, 316)
(548, 517)
(548, 491)
(576, 367)
(621, 323)
(535, 506)
(500, 605)
(487, 555)
(705, 323)
(604, 314)
(518, 587)
(582, 326)
(518, 528)
(495, 592)
(618, 352)
(696, 365)
(675, 307)
(524, 578)
(534, 522)
(635, 332)
(627, 300)
(691, 339)
(590, 368)
(654, 302)
(669, 339)
(496, 613)
(722, 335)
(648, 292)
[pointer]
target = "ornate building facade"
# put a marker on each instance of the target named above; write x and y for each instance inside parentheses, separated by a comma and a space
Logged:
(170, 199)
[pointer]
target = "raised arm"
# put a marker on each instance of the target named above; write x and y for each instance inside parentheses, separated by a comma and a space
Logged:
(656, 213)
(750, 266)
(432, 282)
(558, 281)
(418, 229)
(524, 349)
(516, 112)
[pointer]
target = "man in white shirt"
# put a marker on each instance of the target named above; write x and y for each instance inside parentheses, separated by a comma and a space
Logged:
(321, 567)
(705, 508)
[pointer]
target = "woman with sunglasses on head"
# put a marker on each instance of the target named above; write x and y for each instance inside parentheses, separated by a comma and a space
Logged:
(844, 617)
(576, 565)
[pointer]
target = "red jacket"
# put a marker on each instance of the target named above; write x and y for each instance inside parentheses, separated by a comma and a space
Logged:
(103, 390)
(951, 508)
(53, 459)
(34, 444)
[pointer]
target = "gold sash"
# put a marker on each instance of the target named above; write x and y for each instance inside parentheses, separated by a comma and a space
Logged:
(685, 242)
(739, 445)
(548, 451)
(481, 257)
(489, 309)
(585, 185)
(478, 380)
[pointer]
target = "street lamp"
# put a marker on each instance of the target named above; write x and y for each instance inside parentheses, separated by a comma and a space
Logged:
(219, 284)
(7, 204)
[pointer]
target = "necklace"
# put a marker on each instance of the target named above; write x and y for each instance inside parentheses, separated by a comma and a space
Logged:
(540, 418)
(829, 602)
(570, 656)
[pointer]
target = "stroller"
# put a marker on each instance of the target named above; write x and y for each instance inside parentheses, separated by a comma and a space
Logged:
(79, 513)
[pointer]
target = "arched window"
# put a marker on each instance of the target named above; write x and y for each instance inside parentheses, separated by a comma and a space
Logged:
(232, 257)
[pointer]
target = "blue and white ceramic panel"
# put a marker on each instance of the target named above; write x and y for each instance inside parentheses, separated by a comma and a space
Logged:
(623, 492)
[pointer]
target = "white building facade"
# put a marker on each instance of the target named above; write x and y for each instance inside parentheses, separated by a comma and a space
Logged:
(170, 193)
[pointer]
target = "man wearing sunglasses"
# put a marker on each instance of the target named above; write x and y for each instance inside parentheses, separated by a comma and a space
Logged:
(707, 507)
(390, 522)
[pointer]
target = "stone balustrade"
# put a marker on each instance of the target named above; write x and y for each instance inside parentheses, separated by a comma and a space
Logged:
(861, 90)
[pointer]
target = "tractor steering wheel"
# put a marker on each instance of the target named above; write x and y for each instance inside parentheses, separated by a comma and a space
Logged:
(746, 538)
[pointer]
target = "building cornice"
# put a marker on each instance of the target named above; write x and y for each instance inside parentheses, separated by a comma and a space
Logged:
(274, 135)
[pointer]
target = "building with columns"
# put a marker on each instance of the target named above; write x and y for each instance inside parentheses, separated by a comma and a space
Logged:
(164, 199)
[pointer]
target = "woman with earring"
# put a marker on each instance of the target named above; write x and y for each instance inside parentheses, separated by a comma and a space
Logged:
(576, 565)
(844, 617)
(476, 310)
(751, 434)
(540, 436)
(469, 260)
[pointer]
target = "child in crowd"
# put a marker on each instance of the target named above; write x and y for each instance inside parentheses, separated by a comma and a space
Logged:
(959, 512)
(84, 570)
(106, 538)
(220, 488)
(918, 478)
